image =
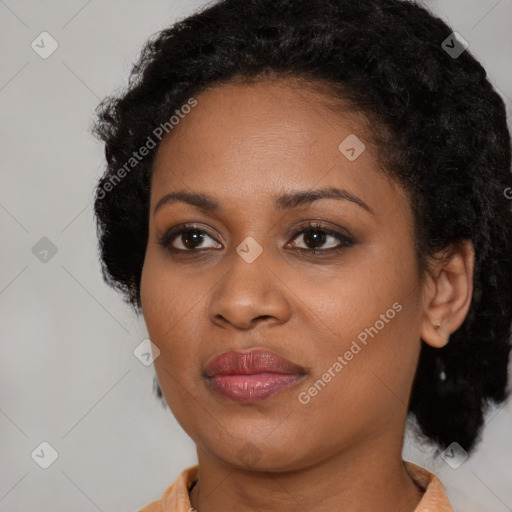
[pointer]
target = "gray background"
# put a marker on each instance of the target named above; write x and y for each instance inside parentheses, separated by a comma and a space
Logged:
(68, 374)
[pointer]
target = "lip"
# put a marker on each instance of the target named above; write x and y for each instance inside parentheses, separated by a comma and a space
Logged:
(250, 376)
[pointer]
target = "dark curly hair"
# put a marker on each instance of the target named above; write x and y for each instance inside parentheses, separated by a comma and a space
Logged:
(441, 133)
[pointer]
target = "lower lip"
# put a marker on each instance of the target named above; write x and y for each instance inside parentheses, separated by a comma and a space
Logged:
(252, 388)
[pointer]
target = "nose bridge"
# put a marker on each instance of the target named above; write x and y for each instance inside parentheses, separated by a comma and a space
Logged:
(246, 273)
(248, 288)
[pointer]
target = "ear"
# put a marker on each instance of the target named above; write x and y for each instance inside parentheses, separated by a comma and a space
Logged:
(447, 292)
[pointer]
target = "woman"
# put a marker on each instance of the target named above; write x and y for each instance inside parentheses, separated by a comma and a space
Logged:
(307, 201)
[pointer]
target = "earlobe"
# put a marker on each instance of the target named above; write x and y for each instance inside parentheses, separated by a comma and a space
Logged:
(447, 294)
(435, 335)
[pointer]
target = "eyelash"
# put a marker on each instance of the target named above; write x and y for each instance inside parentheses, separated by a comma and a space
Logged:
(345, 241)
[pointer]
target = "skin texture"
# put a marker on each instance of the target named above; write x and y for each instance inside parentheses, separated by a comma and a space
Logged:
(244, 145)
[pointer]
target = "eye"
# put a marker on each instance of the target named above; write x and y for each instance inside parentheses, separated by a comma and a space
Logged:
(185, 238)
(190, 238)
(316, 235)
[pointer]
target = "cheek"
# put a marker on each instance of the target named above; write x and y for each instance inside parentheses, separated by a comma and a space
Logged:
(358, 386)
(169, 300)
(340, 301)
(172, 305)
(165, 316)
(370, 318)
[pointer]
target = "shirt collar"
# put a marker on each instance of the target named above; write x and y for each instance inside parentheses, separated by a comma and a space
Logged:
(434, 497)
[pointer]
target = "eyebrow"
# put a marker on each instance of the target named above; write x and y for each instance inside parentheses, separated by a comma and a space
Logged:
(285, 201)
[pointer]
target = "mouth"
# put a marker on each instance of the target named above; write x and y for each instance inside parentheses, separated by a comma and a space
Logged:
(251, 376)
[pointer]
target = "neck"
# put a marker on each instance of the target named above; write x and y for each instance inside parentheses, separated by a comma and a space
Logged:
(362, 478)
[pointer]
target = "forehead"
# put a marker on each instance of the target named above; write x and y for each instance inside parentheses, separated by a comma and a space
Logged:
(254, 140)
(270, 113)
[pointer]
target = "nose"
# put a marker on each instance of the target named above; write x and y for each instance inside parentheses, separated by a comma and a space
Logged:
(249, 293)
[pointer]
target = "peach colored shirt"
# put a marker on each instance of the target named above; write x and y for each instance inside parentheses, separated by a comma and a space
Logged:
(176, 499)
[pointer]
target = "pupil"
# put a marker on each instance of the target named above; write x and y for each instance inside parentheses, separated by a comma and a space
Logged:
(194, 235)
(315, 237)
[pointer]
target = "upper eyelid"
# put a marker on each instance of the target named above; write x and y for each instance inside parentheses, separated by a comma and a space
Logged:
(321, 225)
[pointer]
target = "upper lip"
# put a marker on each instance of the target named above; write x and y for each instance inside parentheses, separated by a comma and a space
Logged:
(248, 362)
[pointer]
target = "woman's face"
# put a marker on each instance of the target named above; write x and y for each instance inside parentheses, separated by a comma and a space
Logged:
(348, 316)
